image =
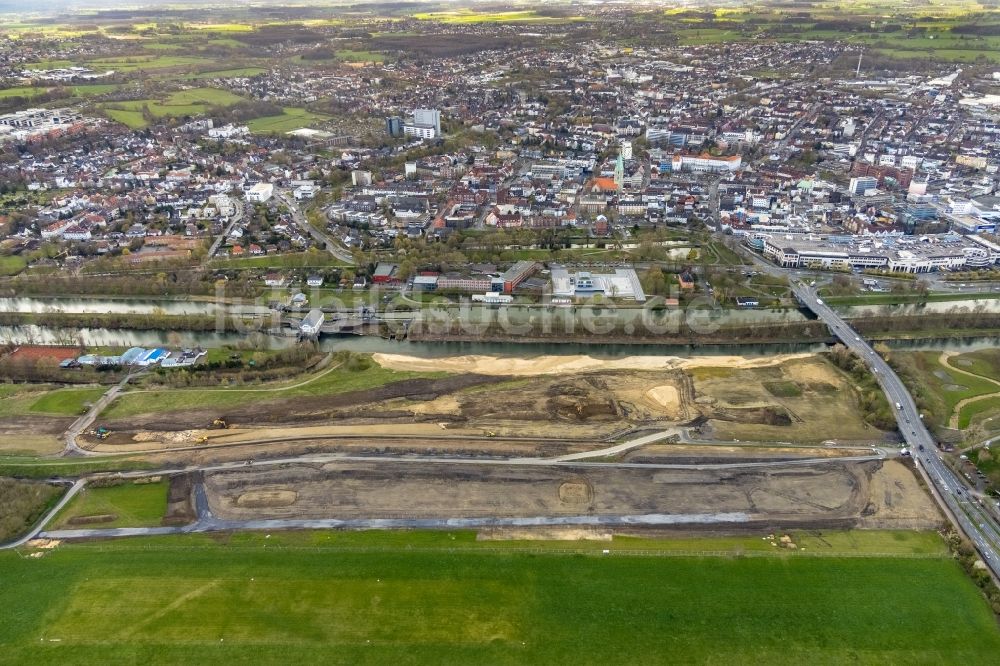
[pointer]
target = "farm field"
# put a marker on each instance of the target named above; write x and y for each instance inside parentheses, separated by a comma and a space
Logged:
(401, 597)
(468, 16)
(292, 119)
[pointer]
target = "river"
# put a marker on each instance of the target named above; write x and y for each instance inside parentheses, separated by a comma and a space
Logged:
(99, 337)
(933, 307)
(127, 306)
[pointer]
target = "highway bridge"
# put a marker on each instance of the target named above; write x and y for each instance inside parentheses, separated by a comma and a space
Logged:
(965, 510)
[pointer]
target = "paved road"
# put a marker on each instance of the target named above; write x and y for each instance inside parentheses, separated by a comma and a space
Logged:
(207, 522)
(70, 447)
(621, 448)
(338, 251)
(965, 510)
(225, 234)
(784, 141)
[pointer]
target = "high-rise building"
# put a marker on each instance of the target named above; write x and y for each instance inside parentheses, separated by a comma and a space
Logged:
(425, 123)
(861, 184)
(394, 126)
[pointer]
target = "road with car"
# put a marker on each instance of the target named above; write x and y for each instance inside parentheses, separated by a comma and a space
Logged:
(951, 491)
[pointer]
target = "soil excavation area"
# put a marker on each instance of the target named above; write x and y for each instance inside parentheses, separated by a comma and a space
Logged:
(844, 494)
(792, 398)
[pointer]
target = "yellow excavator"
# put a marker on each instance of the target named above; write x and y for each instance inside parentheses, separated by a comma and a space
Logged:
(220, 424)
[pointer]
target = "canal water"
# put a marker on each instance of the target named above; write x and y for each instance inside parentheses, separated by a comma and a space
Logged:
(92, 337)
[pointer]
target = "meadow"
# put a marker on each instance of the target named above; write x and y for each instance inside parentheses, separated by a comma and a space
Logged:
(417, 597)
(125, 505)
(947, 389)
(292, 119)
(191, 102)
(333, 380)
(22, 399)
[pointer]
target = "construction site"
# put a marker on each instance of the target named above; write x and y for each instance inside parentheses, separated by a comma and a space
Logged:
(545, 407)
(530, 444)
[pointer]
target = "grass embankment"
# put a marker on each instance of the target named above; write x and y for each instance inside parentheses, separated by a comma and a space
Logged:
(125, 504)
(351, 375)
(123, 320)
(407, 598)
(903, 299)
(23, 467)
(24, 502)
(872, 403)
(940, 390)
(23, 399)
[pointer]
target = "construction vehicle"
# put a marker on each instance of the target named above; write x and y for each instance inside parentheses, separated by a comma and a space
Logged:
(102, 433)
(219, 424)
(203, 439)
(490, 433)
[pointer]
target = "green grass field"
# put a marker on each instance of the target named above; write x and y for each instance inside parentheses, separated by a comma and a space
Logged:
(68, 402)
(89, 89)
(469, 16)
(131, 119)
(12, 264)
(130, 504)
(21, 91)
(292, 119)
(337, 380)
(289, 260)
(358, 598)
(360, 56)
(945, 387)
(17, 399)
(191, 102)
(229, 73)
(136, 63)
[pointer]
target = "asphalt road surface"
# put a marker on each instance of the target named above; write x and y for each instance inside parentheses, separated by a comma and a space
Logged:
(951, 491)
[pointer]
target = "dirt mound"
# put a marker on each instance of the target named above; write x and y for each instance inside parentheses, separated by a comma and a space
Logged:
(266, 499)
(93, 520)
(665, 396)
(180, 508)
(770, 415)
(542, 533)
(576, 492)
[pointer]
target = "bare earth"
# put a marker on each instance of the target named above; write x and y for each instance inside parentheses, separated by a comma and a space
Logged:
(554, 365)
(874, 494)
